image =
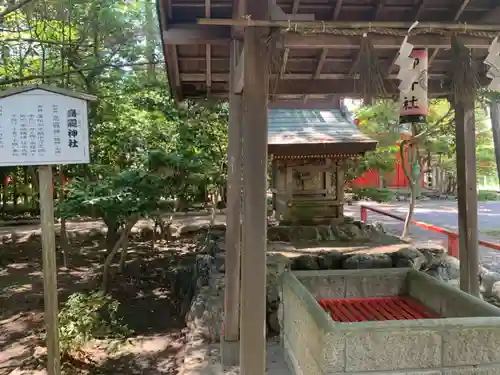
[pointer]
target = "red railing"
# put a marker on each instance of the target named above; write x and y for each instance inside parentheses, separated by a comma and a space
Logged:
(453, 237)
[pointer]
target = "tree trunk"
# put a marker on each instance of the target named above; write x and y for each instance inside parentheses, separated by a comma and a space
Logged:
(155, 227)
(495, 127)
(112, 235)
(150, 31)
(5, 192)
(15, 194)
(25, 198)
(413, 180)
(213, 211)
(123, 256)
(34, 182)
(411, 208)
(114, 250)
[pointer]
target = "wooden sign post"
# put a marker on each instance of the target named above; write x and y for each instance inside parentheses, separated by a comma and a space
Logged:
(42, 125)
(49, 268)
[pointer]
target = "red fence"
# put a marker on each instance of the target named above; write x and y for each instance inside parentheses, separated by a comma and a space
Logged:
(453, 237)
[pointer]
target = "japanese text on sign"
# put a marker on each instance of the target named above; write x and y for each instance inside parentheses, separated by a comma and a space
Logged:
(41, 128)
(414, 103)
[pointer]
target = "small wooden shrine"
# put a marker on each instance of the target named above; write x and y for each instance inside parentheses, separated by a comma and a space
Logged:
(308, 148)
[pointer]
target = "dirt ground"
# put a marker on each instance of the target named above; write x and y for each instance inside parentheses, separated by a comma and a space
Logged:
(144, 291)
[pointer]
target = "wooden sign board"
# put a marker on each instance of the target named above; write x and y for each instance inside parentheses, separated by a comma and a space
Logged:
(44, 125)
(40, 127)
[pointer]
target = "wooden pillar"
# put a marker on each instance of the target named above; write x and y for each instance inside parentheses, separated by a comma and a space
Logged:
(467, 194)
(49, 268)
(253, 256)
(275, 177)
(233, 212)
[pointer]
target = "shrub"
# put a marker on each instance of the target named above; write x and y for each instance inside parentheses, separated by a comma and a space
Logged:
(487, 195)
(373, 194)
(85, 317)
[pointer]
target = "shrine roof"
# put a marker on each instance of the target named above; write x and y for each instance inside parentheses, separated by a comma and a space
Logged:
(318, 66)
(52, 89)
(318, 131)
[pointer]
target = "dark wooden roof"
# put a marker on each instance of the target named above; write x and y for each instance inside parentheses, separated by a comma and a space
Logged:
(315, 131)
(198, 61)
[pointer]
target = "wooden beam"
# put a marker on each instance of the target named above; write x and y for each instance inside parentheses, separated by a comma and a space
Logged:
(433, 57)
(419, 8)
(324, 6)
(224, 77)
(293, 40)
(170, 52)
(239, 7)
(218, 59)
(286, 51)
(491, 17)
(455, 18)
(239, 71)
(208, 53)
(319, 67)
(197, 34)
(336, 11)
(284, 61)
(461, 9)
(341, 87)
(300, 104)
(324, 52)
(221, 35)
(378, 9)
(277, 14)
(467, 194)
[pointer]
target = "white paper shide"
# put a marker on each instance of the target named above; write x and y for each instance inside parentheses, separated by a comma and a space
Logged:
(39, 127)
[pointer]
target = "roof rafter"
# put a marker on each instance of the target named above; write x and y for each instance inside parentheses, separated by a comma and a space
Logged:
(343, 87)
(324, 52)
(294, 40)
(286, 51)
(224, 77)
(491, 17)
(455, 18)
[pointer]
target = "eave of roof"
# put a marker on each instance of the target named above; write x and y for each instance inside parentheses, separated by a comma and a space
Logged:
(315, 131)
(314, 71)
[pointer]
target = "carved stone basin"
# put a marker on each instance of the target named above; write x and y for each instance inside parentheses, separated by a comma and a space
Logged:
(465, 339)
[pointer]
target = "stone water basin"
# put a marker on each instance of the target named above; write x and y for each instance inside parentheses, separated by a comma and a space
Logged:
(458, 334)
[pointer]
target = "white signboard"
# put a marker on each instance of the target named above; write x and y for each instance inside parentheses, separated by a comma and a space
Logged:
(42, 128)
(414, 103)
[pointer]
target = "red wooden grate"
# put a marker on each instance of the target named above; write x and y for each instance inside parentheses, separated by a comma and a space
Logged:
(371, 309)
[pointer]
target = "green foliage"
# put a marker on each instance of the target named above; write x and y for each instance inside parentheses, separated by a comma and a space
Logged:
(382, 160)
(436, 140)
(116, 197)
(486, 195)
(373, 194)
(85, 317)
